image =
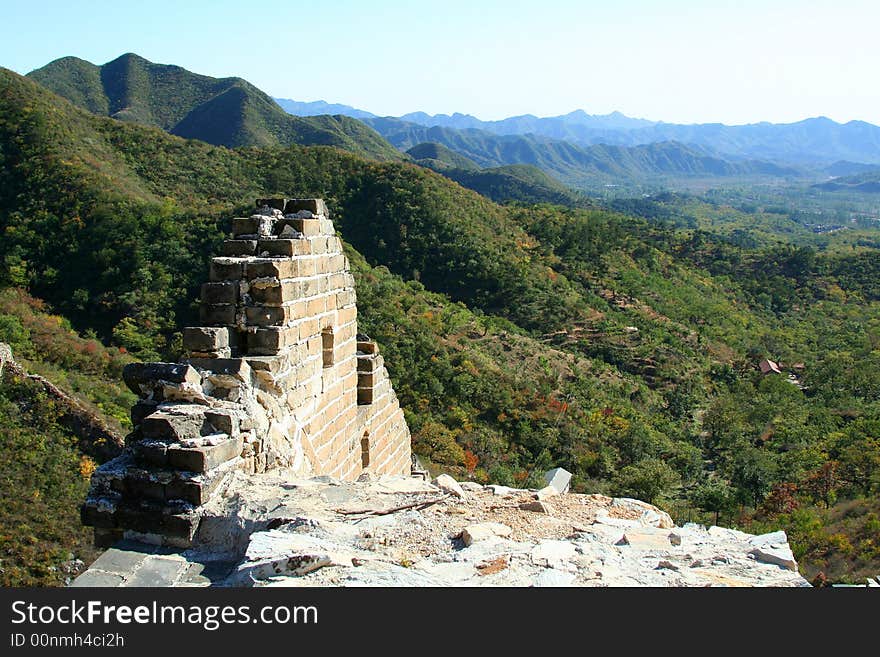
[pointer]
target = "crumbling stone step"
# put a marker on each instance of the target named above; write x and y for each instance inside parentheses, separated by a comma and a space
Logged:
(206, 338)
(176, 422)
(141, 378)
(202, 459)
(167, 485)
(239, 248)
(175, 520)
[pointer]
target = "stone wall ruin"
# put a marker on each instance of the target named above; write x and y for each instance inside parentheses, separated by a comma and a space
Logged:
(276, 376)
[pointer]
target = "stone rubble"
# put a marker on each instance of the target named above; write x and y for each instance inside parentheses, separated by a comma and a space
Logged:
(284, 530)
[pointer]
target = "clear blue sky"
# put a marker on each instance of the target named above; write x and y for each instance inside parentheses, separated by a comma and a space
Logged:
(674, 60)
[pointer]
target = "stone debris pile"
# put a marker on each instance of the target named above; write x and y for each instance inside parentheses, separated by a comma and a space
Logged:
(404, 531)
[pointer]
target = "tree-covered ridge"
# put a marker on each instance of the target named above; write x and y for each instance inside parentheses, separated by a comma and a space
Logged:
(222, 111)
(522, 183)
(438, 157)
(518, 337)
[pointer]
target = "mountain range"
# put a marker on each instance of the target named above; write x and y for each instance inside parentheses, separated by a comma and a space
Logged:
(222, 111)
(812, 142)
(577, 149)
(573, 164)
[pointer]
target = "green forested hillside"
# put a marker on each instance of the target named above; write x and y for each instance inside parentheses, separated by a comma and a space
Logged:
(516, 182)
(438, 157)
(518, 337)
(221, 111)
(46, 465)
(520, 183)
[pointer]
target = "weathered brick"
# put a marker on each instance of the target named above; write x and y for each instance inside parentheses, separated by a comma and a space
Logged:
(99, 513)
(246, 225)
(223, 292)
(204, 338)
(238, 248)
(308, 328)
(202, 459)
(140, 375)
(217, 314)
(279, 268)
(167, 425)
(305, 267)
(366, 346)
(281, 247)
(346, 315)
(226, 269)
(141, 410)
(151, 453)
(367, 379)
(274, 293)
(308, 227)
(313, 205)
(194, 490)
(267, 341)
(266, 315)
(224, 421)
(316, 306)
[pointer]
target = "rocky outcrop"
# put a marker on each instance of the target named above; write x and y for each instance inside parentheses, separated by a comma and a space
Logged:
(403, 531)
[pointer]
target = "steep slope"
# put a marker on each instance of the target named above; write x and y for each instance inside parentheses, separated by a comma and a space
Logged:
(223, 111)
(62, 410)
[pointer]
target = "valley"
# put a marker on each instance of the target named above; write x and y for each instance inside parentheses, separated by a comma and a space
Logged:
(531, 316)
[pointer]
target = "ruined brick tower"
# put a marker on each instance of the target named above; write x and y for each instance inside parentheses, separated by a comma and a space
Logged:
(278, 376)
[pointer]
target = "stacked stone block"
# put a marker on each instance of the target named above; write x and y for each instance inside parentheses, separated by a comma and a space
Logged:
(276, 376)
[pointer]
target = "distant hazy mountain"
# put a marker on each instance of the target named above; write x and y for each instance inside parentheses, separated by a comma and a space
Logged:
(867, 182)
(318, 107)
(812, 141)
(816, 142)
(579, 166)
(577, 126)
(223, 111)
(844, 168)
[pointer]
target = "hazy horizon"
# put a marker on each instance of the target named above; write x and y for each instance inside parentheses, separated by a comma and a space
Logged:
(550, 116)
(677, 61)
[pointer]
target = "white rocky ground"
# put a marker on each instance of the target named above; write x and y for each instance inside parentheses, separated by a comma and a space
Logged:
(273, 531)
